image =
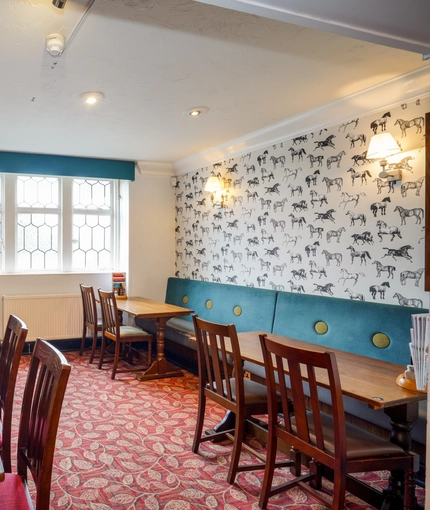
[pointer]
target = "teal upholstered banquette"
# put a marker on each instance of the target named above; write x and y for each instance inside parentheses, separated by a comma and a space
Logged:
(370, 329)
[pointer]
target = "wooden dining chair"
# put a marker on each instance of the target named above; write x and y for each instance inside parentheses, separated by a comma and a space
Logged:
(11, 350)
(328, 440)
(40, 414)
(123, 336)
(221, 380)
(91, 322)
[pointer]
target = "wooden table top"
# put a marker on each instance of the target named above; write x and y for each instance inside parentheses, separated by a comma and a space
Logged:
(147, 308)
(369, 380)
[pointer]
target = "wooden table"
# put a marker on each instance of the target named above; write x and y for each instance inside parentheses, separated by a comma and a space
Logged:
(366, 379)
(160, 313)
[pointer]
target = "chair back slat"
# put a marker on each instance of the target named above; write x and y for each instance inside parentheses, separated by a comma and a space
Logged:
(218, 355)
(304, 429)
(11, 350)
(89, 305)
(110, 315)
(41, 408)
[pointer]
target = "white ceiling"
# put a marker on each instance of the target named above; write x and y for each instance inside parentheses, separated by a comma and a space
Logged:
(154, 59)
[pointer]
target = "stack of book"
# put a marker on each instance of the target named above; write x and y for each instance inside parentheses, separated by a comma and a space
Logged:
(419, 347)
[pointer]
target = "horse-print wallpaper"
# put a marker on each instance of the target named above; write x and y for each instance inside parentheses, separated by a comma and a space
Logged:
(311, 215)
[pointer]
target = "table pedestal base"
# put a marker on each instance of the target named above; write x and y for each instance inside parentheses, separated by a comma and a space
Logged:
(158, 370)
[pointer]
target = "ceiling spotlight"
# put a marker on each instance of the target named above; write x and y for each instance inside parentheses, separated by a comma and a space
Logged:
(59, 3)
(196, 111)
(92, 97)
(55, 44)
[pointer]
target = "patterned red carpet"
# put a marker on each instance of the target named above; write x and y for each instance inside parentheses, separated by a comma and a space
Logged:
(126, 445)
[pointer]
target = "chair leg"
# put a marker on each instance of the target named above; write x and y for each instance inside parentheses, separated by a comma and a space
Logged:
(199, 423)
(84, 337)
(269, 471)
(94, 345)
(116, 359)
(102, 352)
(296, 457)
(237, 447)
(409, 502)
(339, 488)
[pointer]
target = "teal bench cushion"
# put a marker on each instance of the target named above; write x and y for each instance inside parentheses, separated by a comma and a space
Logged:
(246, 307)
(348, 325)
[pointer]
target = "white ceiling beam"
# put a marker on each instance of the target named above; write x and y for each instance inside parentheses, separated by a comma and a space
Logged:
(394, 23)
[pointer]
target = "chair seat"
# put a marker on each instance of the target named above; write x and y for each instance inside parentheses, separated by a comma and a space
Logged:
(359, 443)
(13, 495)
(125, 331)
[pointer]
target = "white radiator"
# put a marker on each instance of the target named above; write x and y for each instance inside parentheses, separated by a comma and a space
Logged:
(51, 316)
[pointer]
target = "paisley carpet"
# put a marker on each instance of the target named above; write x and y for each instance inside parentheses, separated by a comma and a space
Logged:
(126, 445)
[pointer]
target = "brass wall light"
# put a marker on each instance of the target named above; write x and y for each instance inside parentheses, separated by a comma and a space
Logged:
(213, 186)
(383, 146)
(59, 3)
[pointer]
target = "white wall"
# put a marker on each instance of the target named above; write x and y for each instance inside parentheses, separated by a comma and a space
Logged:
(152, 232)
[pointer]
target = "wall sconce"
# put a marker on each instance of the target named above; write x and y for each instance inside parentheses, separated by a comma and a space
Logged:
(213, 185)
(59, 3)
(383, 146)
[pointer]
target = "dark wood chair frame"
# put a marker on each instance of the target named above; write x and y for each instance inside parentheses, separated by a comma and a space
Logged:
(122, 336)
(327, 440)
(238, 395)
(91, 322)
(11, 350)
(40, 414)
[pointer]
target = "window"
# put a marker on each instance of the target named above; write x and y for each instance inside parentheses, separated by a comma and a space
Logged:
(58, 223)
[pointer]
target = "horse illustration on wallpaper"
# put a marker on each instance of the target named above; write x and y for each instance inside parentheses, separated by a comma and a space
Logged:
(337, 181)
(380, 206)
(418, 122)
(381, 289)
(399, 252)
(299, 153)
(384, 229)
(353, 139)
(360, 158)
(416, 185)
(328, 142)
(380, 123)
(315, 159)
(359, 174)
(413, 275)
(346, 275)
(380, 268)
(417, 212)
(335, 159)
(404, 301)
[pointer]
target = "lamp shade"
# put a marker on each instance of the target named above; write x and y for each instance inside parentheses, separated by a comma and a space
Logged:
(213, 184)
(382, 146)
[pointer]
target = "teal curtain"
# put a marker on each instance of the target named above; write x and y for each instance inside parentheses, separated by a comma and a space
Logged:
(67, 166)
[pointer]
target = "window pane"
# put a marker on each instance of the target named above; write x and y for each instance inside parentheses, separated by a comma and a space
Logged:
(91, 241)
(35, 191)
(37, 241)
(91, 194)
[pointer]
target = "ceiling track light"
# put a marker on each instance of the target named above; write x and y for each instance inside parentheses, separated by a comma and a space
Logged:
(59, 3)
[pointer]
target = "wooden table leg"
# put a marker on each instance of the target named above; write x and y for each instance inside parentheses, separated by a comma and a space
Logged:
(402, 418)
(160, 368)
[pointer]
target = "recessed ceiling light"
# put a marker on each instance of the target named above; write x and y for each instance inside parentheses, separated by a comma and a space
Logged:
(196, 111)
(92, 97)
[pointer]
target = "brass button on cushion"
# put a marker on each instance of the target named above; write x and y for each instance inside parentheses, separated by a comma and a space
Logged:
(185, 300)
(321, 327)
(237, 310)
(381, 340)
(209, 304)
